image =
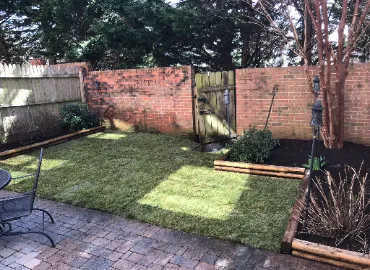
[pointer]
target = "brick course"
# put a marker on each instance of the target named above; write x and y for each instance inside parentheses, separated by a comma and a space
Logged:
(152, 99)
(84, 65)
(291, 112)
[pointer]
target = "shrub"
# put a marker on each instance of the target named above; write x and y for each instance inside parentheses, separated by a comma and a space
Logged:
(254, 146)
(77, 116)
(17, 130)
(47, 122)
(44, 122)
(339, 208)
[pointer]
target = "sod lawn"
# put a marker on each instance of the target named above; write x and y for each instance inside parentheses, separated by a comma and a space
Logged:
(159, 179)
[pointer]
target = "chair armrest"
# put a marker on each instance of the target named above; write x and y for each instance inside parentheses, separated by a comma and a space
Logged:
(23, 176)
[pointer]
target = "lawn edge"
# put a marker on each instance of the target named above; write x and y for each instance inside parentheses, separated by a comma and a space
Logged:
(314, 251)
(47, 143)
(222, 164)
(330, 255)
(291, 229)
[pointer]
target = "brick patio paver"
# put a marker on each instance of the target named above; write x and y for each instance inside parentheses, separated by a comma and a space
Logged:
(89, 239)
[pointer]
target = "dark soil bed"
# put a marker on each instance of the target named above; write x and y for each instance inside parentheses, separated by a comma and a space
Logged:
(36, 139)
(296, 152)
(348, 244)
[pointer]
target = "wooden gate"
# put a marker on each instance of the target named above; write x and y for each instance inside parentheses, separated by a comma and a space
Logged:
(210, 109)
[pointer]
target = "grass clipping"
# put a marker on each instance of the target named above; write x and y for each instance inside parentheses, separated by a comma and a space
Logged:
(339, 209)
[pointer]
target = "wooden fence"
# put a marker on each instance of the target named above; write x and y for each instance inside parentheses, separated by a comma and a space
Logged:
(27, 90)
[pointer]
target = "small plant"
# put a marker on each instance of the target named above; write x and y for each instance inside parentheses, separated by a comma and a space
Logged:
(339, 208)
(77, 116)
(318, 163)
(254, 146)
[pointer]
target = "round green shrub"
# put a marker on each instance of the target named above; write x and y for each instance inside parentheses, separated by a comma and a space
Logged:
(77, 116)
(255, 146)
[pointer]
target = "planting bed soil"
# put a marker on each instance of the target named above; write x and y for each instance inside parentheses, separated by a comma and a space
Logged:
(294, 153)
(36, 139)
(347, 244)
(49, 142)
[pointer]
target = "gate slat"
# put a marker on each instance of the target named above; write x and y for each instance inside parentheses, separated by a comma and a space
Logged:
(218, 76)
(211, 110)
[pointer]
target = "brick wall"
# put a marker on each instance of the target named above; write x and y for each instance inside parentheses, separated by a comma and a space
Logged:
(154, 99)
(38, 62)
(85, 65)
(291, 112)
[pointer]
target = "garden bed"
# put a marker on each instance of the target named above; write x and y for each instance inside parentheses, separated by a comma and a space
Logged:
(318, 248)
(334, 256)
(32, 140)
(22, 148)
(295, 153)
(349, 253)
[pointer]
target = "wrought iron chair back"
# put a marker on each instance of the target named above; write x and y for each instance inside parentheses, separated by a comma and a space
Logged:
(19, 206)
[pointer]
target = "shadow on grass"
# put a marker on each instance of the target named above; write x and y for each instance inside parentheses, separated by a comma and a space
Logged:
(157, 179)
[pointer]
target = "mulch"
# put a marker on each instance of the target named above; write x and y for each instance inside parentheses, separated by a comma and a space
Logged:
(35, 139)
(296, 153)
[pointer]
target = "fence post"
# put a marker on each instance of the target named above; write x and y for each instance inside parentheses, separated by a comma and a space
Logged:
(82, 90)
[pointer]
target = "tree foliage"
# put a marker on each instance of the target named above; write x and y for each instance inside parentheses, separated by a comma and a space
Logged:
(209, 34)
(16, 30)
(349, 22)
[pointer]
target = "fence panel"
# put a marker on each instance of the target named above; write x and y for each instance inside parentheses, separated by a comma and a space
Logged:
(28, 89)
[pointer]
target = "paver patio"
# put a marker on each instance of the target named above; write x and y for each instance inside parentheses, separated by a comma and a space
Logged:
(88, 239)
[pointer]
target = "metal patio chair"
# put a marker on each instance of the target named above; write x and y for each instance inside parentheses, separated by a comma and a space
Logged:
(19, 206)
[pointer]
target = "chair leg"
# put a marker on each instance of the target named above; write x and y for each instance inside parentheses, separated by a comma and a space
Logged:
(2, 227)
(46, 212)
(20, 233)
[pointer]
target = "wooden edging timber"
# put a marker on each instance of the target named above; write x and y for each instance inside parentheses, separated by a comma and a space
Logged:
(330, 255)
(258, 166)
(313, 251)
(291, 229)
(324, 260)
(57, 140)
(259, 169)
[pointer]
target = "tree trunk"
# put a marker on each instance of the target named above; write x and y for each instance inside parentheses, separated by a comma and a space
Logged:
(333, 130)
(246, 37)
(308, 37)
(52, 60)
(341, 76)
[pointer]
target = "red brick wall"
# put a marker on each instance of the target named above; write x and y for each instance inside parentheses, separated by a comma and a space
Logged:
(85, 65)
(38, 62)
(154, 99)
(291, 112)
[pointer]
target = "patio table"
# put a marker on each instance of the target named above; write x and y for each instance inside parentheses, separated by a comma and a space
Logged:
(5, 177)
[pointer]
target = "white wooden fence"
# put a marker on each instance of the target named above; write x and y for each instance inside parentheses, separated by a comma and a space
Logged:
(26, 90)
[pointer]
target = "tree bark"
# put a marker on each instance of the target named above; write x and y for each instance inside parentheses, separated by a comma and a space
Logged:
(246, 37)
(308, 36)
(52, 60)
